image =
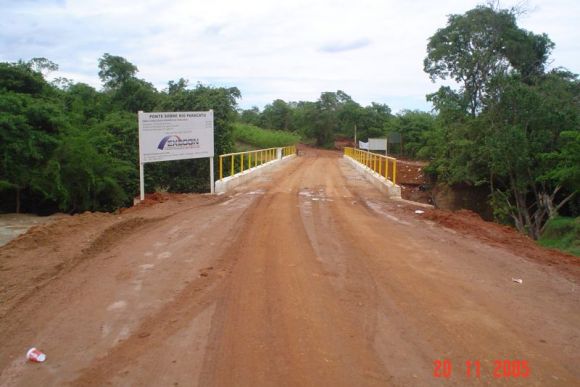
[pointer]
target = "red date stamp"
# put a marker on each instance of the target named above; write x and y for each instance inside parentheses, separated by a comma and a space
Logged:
(443, 368)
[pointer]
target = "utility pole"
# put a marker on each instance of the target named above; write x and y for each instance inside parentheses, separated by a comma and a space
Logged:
(355, 143)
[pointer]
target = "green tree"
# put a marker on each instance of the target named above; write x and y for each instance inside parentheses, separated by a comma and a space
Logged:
(85, 174)
(349, 116)
(125, 90)
(29, 126)
(413, 126)
(303, 115)
(372, 121)
(42, 66)
(325, 123)
(84, 104)
(251, 116)
(276, 115)
(509, 124)
(134, 95)
(114, 71)
(482, 44)
(540, 121)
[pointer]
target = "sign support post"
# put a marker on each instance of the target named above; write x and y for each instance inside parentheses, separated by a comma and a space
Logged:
(211, 182)
(142, 181)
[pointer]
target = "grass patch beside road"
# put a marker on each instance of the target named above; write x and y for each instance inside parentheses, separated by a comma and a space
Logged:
(263, 138)
(562, 233)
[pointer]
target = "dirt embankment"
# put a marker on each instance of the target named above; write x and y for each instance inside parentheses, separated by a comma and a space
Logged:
(470, 223)
(414, 183)
(48, 251)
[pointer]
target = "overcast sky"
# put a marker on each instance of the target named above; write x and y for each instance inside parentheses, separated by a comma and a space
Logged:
(293, 50)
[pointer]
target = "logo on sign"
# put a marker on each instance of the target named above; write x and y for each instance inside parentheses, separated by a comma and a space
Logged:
(176, 142)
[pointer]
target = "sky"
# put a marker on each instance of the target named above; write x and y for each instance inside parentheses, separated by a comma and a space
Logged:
(292, 50)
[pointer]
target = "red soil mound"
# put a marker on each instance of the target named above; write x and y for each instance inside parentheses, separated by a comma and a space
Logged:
(468, 222)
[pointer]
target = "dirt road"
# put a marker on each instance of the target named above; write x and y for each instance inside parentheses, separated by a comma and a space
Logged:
(308, 277)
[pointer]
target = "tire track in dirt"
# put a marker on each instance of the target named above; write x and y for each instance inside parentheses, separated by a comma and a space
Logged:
(107, 238)
(197, 297)
(269, 328)
(358, 285)
(174, 316)
(108, 253)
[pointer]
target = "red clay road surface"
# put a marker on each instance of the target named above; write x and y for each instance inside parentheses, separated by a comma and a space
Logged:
(308, 277)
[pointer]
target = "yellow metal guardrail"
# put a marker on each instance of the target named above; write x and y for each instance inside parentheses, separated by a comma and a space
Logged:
(289, 150)
(241, 161)
(378, 163)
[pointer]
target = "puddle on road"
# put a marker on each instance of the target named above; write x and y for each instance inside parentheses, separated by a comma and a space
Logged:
(241, 199)
(117, 305)
(318, 195)
(164, 255)
(257, 192)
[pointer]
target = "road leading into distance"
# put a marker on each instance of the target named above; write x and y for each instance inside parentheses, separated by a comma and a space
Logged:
(307, 277)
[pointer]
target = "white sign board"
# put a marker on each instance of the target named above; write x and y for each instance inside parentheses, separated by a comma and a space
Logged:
(168, 136)
(363, 145)
(378, 144)
(165, 136)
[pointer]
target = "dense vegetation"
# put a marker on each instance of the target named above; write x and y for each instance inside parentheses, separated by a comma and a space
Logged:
(510, 126)
(66, 146)
(260, 138)
(336, 114)
(562, 233)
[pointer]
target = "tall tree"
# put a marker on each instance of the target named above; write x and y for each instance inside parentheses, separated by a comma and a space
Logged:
(510, 124)
(42, 65)
(482, 44)
(115, 70)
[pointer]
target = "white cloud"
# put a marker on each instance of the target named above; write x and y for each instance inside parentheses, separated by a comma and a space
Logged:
(373, 50)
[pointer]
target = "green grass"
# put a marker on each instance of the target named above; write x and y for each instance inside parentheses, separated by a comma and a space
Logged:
(263, 138)
(244, 147)
(562, 233)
